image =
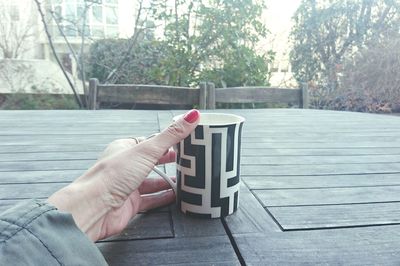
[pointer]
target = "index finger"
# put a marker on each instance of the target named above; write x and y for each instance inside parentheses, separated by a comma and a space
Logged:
(168, 157)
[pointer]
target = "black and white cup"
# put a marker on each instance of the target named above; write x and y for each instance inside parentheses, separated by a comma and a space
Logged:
(208, 167)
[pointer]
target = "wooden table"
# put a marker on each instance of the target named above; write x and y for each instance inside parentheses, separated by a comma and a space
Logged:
(319, 187)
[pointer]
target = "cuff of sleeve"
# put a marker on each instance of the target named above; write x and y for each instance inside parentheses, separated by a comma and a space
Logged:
(31, 222)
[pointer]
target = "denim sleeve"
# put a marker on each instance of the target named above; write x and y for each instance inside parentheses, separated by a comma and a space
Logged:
(36, 233)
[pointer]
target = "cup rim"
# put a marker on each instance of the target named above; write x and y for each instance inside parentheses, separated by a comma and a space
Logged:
(238, 119)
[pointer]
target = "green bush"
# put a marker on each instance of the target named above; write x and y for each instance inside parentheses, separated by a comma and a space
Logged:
(25, 101)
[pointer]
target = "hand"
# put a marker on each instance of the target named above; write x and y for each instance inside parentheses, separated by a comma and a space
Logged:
(115, 189)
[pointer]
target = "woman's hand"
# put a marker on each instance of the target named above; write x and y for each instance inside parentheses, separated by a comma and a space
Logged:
(116, 188)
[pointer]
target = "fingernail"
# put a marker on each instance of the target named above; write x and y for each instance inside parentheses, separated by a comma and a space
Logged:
(191, 116)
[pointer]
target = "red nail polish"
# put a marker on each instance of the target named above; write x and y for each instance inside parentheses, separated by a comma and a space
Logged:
(191, 116)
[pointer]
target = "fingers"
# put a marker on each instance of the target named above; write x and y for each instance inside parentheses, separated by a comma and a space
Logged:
(178, 130)
(168, 157)
(151, 201)
(153, 185)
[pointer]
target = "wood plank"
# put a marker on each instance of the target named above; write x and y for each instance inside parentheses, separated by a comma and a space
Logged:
(148, 94)
(46, 165)
(48, 156)
(53, 176)
(322, 145)
(29, 191)
(277, 182)
(353, 246)
(65, 130)
(164, 119)
(323, 196)
(70, 140)
(76, 147)
(67, 141)
(322, 139)
(250, 216)
(215, 250)
(336, 216)
(59, 176)
(327, 169)
(314, 160)
(151, 225)
(255, 132)
(258, 94)
(253, 152)
(76, 115)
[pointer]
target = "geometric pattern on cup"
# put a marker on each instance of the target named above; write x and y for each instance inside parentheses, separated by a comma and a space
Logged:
(208, 175)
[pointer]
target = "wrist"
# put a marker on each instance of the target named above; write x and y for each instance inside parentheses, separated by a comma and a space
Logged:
(84, 202)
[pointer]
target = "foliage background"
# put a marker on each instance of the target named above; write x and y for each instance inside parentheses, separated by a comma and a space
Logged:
(346, 52)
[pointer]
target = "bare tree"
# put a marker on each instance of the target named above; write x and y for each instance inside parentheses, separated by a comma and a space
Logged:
(15, 31)
(17, 75)
(81, 26)
(50, 39)
(132, 41)
(374, 75)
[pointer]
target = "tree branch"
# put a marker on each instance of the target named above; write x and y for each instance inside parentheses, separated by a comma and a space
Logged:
(133, 40)
(77, 98)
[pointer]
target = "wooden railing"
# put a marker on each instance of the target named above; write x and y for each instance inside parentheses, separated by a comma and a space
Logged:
(292, 97)
(205, 96)
(145, 94)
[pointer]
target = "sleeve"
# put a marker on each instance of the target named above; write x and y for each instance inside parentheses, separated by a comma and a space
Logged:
(36, 233)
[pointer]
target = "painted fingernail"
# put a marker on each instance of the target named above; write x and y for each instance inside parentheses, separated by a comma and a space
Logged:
(191, 116)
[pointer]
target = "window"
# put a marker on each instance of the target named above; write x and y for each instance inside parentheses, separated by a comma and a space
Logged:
(14, 13)
(70, 12)
(112, 31)
(58, 13)
(69, 30)
(101, 20)
(97, 14)
(111, 15)
(97, 31)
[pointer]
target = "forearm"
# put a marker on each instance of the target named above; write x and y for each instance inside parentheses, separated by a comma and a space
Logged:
(85, 202)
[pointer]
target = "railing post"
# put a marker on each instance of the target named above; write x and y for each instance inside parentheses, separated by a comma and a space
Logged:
(304, 93)
(203, 95)
(93, 82)
(210, 96)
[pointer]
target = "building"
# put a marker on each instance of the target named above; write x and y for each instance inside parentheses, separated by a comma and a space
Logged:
(278, 20)
(22, 26)
(111, 19)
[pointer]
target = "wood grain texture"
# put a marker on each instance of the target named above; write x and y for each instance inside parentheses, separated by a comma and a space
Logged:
(322, 181)
(250, 216)
(337, 216)
(328, 196)
(48, 156)
(320, 169)
(46, 165)
(176, 251)
(314, 160)
(331, 180)
(28, 177)
(352, 246)
(29, 191)
(150, 94)
(258, 95)
(145, 226)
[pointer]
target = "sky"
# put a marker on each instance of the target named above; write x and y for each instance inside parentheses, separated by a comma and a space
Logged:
(279, 13)
(278, 17)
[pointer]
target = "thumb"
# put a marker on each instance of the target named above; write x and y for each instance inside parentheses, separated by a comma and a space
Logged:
(178, 130)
